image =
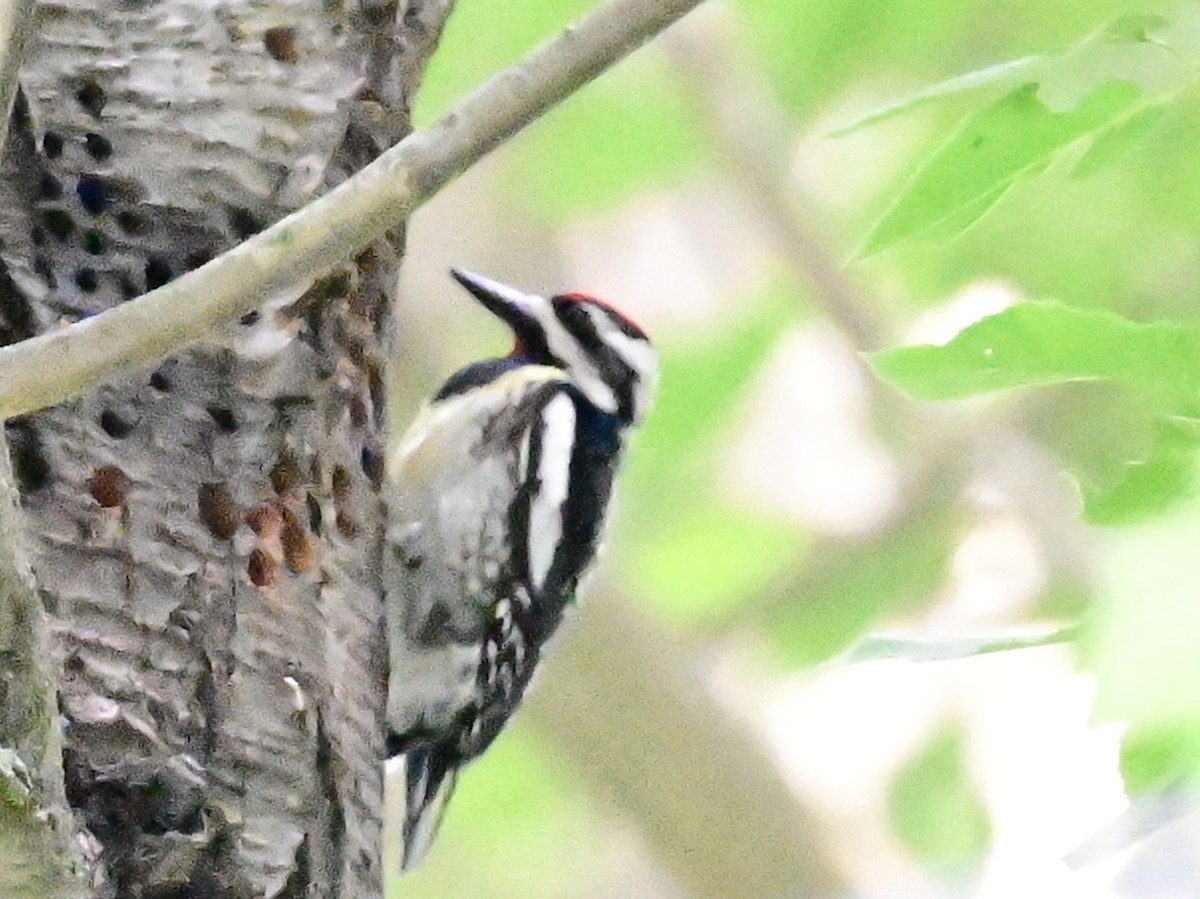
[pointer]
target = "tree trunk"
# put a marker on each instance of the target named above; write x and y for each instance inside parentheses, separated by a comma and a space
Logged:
(204, 535)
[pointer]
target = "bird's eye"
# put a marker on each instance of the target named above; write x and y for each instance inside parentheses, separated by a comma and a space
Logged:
(568, 308)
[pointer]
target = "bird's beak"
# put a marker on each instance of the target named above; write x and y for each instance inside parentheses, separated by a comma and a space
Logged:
(516, 309)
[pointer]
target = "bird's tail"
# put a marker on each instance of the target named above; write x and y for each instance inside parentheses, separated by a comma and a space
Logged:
(430, 774)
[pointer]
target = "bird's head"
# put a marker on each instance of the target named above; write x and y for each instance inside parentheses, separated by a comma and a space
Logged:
(607, 357)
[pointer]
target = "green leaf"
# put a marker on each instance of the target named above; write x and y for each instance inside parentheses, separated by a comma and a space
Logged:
(1138, 27)
(1130, 48)
(1138, 49)
(1160, 756)
(991, 149)
(935, 809)
(1106, 89)
(808, 50)
(965, 217)
(1044, 343)
(1006, 74)
(1168, 476)
(1113, 143)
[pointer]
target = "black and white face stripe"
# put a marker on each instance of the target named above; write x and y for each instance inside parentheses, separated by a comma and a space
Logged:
(617, 348)
(609, 358)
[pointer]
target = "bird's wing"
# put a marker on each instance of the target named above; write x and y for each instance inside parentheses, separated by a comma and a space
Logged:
(475, 476)
(478, 488)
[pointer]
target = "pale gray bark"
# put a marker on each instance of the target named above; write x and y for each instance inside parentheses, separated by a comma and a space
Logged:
(39, 853)
(42, 854)
(204, 535)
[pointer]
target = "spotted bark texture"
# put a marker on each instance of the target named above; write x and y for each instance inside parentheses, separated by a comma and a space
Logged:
(205, 535)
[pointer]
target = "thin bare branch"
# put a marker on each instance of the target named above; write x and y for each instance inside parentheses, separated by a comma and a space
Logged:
(51, 368)
(916, 648)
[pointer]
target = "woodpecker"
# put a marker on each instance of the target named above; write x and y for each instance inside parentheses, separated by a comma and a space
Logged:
(497, 497)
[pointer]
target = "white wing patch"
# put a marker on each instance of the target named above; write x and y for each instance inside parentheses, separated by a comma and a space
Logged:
(553, 474)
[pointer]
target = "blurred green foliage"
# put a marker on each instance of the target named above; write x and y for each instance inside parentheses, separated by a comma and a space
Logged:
(935, 808)
(1047, 342)
(1142, 643)
(1153, 756)
(630, 130)
(698, 554)
(709, 561)
(821, 617)
(1141, 640)
(1106, 90)
(520, 812)
(1049, 148)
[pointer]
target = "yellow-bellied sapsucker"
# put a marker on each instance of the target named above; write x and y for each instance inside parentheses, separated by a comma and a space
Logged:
(498, 495)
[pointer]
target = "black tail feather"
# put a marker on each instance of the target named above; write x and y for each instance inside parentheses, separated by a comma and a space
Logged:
(430, 774)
